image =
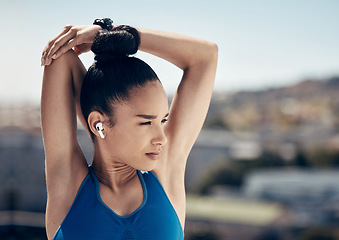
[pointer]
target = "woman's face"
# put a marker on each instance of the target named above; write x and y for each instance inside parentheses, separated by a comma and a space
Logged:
(137, 137)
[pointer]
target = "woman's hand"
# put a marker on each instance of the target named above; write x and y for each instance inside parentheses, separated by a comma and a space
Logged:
(80, 38)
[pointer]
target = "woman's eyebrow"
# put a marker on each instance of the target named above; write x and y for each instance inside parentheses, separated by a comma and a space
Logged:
(149, 116)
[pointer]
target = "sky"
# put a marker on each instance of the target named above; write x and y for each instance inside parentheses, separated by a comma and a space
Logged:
(262, 43)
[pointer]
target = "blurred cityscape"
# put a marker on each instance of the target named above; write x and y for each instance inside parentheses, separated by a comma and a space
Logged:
(265, 167)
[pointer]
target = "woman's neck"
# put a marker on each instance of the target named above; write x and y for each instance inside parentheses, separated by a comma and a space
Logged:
(114, 174)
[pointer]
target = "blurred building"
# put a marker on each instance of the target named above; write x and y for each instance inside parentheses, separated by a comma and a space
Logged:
(22, 188)
(234, 218)
(312, 195)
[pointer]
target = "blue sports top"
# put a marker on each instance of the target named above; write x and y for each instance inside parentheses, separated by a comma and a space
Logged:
(90, 218)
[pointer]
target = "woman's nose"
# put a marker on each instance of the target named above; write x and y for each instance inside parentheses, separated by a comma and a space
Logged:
(160, 137)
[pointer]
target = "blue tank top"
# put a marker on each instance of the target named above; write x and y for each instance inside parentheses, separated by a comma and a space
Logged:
(90, 218)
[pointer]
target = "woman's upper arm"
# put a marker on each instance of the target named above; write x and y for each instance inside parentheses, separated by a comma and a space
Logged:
(191, 101)
(58, 119)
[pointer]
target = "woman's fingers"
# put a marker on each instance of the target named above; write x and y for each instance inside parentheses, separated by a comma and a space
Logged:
(60, 42)
(64, 48)
(77, 37)
(51, 43)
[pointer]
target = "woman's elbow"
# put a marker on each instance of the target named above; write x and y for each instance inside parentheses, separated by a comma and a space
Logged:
(209, 54)
(205, 55)
(213, 51)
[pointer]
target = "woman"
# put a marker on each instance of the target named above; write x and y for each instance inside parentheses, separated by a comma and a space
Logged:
(135, 187)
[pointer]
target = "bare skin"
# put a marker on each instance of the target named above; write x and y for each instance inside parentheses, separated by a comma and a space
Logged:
(146, 140)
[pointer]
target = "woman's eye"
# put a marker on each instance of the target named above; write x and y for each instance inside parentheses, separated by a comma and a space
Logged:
(146, 123)
(164, 120)
(150, 123)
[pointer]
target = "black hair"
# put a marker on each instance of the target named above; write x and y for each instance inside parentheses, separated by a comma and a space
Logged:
(114, 73)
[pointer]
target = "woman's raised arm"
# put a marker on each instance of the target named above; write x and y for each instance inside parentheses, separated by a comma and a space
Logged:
(60, 100)
(198, 59)
(65, 164)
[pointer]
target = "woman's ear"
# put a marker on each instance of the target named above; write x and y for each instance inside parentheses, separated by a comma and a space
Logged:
(96, 124)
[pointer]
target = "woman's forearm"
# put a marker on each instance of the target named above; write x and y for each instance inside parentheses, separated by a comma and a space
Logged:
(181, 50)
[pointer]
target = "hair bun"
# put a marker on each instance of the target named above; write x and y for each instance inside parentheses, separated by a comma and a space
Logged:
(106, 57)
(121, 42)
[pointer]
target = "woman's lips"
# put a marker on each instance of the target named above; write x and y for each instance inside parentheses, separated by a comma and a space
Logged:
(153, 155)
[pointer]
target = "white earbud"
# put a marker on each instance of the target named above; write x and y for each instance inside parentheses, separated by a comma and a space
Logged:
(99, 127)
